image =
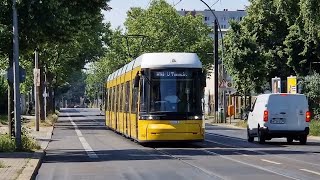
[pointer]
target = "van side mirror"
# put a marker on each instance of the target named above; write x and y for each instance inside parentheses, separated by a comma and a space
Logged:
(136, 80)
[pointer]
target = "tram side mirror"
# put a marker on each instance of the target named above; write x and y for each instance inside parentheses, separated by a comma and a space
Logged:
(136, 80)
(203, 79)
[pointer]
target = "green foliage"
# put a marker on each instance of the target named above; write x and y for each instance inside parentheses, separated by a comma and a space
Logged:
(167, 31)
(311, 86)
(2, 165)
(254, 47)
(284, 33)
(315, 128)
(3, 119)
(68, 34)
(74, 89)
(3, 94)
(161, 29)
(7, 144)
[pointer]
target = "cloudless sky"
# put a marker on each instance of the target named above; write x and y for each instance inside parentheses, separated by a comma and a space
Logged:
(118, 15)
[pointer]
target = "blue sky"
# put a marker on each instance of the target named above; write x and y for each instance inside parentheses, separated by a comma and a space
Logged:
(118, 15)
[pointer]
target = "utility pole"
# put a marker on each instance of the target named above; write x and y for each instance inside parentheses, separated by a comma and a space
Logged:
(17, 107)
(36, 74)
(45, 92)
(216, 71)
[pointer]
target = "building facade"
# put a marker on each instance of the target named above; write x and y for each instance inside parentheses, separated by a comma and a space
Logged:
(223, 17)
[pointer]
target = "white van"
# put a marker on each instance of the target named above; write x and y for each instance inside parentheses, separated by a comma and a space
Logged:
(277, 116)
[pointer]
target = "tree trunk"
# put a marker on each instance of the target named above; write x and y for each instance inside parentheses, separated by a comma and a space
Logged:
(10, 99)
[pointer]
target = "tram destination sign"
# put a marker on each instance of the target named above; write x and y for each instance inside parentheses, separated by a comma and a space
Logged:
(170, 74)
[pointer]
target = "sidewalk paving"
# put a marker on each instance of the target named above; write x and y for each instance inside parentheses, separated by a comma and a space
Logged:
(23, 165)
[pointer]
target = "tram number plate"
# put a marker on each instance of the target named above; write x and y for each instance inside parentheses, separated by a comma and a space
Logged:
(174, 122)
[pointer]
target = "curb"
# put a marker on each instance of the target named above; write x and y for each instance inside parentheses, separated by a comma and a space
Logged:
(227, 125)
(32, 167)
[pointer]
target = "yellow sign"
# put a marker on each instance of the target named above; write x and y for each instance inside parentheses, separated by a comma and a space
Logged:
(292, 85)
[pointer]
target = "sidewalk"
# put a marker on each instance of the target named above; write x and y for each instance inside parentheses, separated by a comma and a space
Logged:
(23, 165)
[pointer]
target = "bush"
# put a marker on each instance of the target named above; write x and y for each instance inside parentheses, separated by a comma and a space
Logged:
(311, 88)
(7, 144)
(315, 128)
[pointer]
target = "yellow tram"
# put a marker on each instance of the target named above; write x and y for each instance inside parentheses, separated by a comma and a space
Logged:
(157, 98)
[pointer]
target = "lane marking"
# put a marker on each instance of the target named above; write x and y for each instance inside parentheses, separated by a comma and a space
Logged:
(241, 154)
(272, 162)
(83, 141)
(313, 172)
(223, 144)
(261, 152)
(251, 165)
(210, 173)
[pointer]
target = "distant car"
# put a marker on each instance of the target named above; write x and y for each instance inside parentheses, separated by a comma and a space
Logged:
(277, 116)
(76, 106)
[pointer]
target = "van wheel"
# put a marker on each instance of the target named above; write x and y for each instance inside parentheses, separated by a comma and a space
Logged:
(289, 140)
(303, 139)
(261, 137)
(250, 138)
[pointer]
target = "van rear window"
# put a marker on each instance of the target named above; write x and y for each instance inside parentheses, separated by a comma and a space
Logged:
(288, 100)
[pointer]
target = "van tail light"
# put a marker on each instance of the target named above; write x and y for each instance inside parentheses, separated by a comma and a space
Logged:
(266, 116)
(308, 116)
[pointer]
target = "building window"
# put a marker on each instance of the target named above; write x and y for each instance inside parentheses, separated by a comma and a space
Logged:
(240, 18)
(206, 18)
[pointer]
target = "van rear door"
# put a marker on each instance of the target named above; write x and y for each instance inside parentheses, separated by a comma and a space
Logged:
(287, 112)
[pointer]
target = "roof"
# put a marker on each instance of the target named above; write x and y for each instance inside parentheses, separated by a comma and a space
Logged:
(160, 60)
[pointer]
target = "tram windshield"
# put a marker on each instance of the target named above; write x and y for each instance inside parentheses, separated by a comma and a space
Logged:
(176, 90)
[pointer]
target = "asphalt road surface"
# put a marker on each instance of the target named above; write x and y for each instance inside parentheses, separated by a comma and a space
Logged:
(83, 148)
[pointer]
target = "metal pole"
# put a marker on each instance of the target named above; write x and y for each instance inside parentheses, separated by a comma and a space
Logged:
(17, 107)
(36, 90)
(45, 93)
(216, 57)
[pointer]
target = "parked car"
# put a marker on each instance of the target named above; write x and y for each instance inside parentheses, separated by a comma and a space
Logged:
(277, 116)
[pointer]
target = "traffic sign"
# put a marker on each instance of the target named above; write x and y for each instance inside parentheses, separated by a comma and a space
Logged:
(223, 84)
(22, 74)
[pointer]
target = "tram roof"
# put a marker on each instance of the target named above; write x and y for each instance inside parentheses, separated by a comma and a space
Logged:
(160, 60)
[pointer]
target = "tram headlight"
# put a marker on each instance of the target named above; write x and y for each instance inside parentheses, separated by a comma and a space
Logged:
(194, 117)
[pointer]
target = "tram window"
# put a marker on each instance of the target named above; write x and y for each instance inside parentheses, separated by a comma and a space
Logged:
(127, 90)
(121, 98)
(112, 99)
(143, 95)
(106, 100)
(134, 98)
(118, 98)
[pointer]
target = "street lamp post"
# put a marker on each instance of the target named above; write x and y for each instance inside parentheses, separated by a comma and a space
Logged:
(216, 59)
(16, 82)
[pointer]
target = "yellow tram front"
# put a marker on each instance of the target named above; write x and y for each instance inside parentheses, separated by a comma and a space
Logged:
(170, 104)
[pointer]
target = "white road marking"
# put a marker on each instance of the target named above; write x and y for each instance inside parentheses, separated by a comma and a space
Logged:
(262, 153)
(248, 164)
(223, 144)
(241, 154)
(313, 172)
(83, 141)
(272, 162)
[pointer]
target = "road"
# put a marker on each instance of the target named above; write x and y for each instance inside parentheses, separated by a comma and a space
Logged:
(82, 148)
